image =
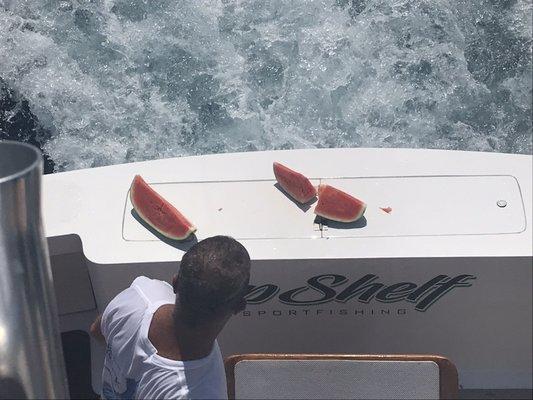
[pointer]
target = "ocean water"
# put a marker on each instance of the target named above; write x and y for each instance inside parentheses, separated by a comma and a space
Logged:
(98, 82)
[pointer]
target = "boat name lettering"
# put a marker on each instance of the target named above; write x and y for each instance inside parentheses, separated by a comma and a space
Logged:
(325, 288)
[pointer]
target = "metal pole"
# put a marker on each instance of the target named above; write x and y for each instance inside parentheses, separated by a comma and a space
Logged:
(31, 358)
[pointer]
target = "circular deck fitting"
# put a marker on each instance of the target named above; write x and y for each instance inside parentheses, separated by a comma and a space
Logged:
(501, 203)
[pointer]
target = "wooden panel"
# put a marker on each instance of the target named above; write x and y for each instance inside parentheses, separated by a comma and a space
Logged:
(448, 378)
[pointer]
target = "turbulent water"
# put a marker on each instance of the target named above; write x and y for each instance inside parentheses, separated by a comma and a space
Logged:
(97, 82)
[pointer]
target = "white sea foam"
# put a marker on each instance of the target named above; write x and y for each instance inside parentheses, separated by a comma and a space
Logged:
(124, 80)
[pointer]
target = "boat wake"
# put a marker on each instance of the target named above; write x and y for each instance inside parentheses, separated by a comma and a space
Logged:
(113, 81)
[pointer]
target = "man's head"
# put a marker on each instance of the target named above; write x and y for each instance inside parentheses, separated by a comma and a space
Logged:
(212, 280)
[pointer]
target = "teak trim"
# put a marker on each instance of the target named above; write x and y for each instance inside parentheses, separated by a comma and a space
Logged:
(448, 379)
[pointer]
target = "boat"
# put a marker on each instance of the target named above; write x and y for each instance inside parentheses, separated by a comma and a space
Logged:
(447, 271)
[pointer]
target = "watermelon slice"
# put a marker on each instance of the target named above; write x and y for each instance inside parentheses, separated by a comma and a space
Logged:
(337, 205)
(157, 212)
(294, 183)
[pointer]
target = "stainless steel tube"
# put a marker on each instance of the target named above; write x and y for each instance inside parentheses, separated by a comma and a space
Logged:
(31, 359)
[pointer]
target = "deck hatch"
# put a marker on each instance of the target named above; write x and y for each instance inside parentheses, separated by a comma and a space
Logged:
(254, 209)
(433, 206)
(421, 206)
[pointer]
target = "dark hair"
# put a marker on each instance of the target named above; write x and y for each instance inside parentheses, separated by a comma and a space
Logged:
(213, 278)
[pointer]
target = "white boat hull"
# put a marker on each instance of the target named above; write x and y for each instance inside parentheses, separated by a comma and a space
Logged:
(447, 272)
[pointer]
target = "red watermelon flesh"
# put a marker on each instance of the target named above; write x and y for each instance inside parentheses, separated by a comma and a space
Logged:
(158, 212)
(337, 205)
(294, 183)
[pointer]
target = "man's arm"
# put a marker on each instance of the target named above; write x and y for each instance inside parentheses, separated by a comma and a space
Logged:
(96, 329)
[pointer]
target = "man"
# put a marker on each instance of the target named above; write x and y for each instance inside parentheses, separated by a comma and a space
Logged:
(161, 339)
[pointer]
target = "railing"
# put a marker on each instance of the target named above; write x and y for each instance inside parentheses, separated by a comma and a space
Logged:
(31, 361)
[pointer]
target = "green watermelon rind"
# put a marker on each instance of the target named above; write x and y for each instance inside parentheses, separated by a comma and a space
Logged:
(190, 227)
(331, 216)
(283, 174)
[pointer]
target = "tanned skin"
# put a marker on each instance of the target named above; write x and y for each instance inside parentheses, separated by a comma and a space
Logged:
(96, 329)
(173, 338)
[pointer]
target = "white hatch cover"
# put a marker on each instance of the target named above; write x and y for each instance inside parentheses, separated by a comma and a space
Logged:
(425, 206)
(241, 209)
(433, 205)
